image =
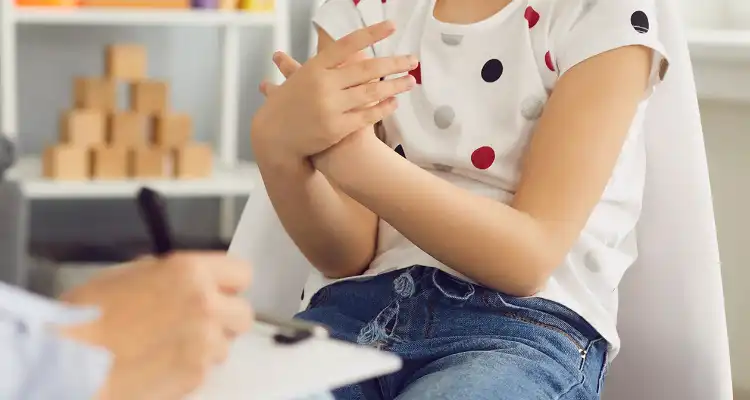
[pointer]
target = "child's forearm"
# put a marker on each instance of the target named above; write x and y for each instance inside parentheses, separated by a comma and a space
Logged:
(335, 233)
(481, 238)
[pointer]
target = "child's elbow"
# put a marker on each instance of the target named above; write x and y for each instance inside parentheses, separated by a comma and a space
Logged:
(536, 273)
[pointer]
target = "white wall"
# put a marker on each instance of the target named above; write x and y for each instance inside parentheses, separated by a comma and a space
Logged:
(727, 133)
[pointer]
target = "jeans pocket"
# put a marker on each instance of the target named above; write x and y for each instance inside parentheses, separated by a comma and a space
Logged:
(319, 297)
(603, 373)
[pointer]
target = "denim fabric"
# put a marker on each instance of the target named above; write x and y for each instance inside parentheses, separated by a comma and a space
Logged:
(462, 341)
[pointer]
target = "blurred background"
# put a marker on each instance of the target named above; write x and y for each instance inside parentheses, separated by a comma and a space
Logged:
(191, 49)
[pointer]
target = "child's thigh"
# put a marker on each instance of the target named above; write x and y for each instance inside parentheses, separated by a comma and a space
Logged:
(495, 375)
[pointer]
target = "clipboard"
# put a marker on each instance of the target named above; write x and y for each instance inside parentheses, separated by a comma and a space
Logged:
(260, 368)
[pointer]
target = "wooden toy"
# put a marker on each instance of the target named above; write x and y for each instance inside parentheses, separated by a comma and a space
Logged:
(83, 128)
(95, 93)
(257, 5)
(172, 130)
(149, 97)
(126, 62)
(46, 3)
(66, 162)
(193, 160)
(109, 162)
(125, 4)
(150, 162)
(127, 129)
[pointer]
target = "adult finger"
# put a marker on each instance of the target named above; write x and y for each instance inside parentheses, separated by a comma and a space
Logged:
(286, 64)
(375, 92)
(344, 48)
(230, 274)
(234, 314)
(374, 68)
(358, 119)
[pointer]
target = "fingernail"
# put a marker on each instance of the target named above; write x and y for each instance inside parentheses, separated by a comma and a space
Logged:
(413, 61)
(276, 57)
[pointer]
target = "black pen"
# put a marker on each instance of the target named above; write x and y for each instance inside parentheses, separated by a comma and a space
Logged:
(153, 212)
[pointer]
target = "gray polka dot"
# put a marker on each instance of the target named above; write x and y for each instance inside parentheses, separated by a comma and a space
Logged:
(444, 117)
(452, 40)
(442, 168)
(588, 5)
(586, 8)
(532, 108)
(591, 262)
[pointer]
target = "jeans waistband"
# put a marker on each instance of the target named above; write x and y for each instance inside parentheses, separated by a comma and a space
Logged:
(415, 278)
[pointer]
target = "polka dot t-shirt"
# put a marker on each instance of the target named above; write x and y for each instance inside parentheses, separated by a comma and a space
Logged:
(481, 89)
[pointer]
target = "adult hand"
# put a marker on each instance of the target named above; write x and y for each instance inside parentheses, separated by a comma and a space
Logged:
(166, 321)
(327, 99)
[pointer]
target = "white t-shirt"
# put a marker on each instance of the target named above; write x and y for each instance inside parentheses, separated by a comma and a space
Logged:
(481, 89)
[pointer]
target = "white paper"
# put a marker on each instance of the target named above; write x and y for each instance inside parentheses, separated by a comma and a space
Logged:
(258, 368)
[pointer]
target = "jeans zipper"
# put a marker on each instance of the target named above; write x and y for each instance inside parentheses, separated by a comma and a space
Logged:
(581, 350)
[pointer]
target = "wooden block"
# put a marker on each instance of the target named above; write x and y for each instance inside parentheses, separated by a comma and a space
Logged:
(149, 97)
(150, 162)
(194, 160)
(95, 94)
(109, 162)
(172, 130)
(127, 129)
(126, 62)
(66, 162)
(83, 128)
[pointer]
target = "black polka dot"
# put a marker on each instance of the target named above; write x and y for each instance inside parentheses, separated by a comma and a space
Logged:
(492, 70)
(640, 22)
(400, 150)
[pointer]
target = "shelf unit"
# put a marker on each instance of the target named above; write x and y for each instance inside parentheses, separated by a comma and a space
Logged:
(231, 178)
(717, 43)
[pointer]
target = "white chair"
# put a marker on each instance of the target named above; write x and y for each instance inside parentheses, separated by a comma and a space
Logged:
(672, 318)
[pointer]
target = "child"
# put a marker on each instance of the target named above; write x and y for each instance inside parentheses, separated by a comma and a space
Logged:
(483, 239)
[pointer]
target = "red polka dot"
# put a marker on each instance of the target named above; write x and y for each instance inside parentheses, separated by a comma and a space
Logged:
(548, 61)
(483, 157)
(356, 2)
(532, 16)
(417, 73)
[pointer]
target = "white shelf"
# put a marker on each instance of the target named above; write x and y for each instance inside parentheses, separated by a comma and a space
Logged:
(719, 38)
(238, 181)
(714, 44)
(135, 17)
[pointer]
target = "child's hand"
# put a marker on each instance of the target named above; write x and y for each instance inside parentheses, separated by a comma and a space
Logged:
(327, 99)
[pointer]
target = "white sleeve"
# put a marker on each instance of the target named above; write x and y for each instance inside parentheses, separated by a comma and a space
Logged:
(338, 18)
(587, 28)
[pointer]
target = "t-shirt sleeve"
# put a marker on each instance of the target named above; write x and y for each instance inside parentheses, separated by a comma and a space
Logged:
(338, 18)
(588, 28)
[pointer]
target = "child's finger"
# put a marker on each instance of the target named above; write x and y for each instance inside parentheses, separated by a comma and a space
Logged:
(374, 68)
(346, 47)
(267, 88)
(374, 92)
(286, 64)
(360, 118)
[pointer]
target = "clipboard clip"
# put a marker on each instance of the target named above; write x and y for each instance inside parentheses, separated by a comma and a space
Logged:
(292, 331)
(152, 210)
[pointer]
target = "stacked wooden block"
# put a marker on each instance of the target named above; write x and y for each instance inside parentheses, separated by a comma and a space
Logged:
(148, 140)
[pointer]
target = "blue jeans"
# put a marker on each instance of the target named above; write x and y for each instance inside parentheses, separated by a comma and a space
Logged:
(461, 341)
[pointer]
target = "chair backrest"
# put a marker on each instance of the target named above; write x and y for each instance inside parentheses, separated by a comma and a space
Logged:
(671, 319)
(672, 314)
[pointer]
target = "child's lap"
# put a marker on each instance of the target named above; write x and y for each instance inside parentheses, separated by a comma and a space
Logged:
(461, 341)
